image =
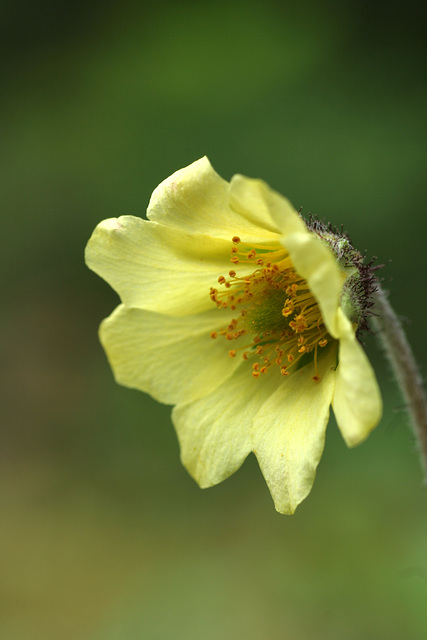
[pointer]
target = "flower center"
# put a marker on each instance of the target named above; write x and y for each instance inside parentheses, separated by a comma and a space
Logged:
(277, 320)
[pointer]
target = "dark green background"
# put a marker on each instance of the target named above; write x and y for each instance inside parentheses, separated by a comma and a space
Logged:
(104, 535)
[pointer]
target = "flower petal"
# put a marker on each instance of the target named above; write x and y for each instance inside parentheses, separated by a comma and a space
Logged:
(288, 432)
(155, 267)
(256, 201)
(214, 431)
(173, 359)
(315, 262)
(357, 400)
(197, 198)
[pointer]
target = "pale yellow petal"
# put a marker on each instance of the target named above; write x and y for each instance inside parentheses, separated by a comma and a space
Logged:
(315, 262)
(214, 431)
(357, 400)
(196, 200)
(173, 359)
(155, 267)
(257, 202)
(289, 432)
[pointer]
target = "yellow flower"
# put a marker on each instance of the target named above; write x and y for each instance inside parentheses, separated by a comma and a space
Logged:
(232, 310)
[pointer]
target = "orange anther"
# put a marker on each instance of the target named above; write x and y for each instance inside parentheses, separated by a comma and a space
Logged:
(235, 239)
(232, 353)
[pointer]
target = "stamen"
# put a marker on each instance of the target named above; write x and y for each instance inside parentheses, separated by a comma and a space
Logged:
(275, 309)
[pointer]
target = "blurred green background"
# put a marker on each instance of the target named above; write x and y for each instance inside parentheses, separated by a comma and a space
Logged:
(104, 536)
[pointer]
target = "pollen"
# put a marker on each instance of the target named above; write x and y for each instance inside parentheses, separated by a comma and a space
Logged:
(276, 315)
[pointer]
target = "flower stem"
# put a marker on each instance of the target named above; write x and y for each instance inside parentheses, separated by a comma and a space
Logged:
(401, 358)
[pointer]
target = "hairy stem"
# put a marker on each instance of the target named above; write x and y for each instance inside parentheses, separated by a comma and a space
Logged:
(401, 358)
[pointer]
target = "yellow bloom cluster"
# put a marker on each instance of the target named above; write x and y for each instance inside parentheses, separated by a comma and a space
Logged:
(231, 311)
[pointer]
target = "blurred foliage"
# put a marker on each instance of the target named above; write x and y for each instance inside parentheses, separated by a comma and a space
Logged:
(104, 536)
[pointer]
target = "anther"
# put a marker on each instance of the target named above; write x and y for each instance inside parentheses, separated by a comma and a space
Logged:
(235, 239)
(232, 353)
(232, 273)
(214, 334)
(292, 289)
